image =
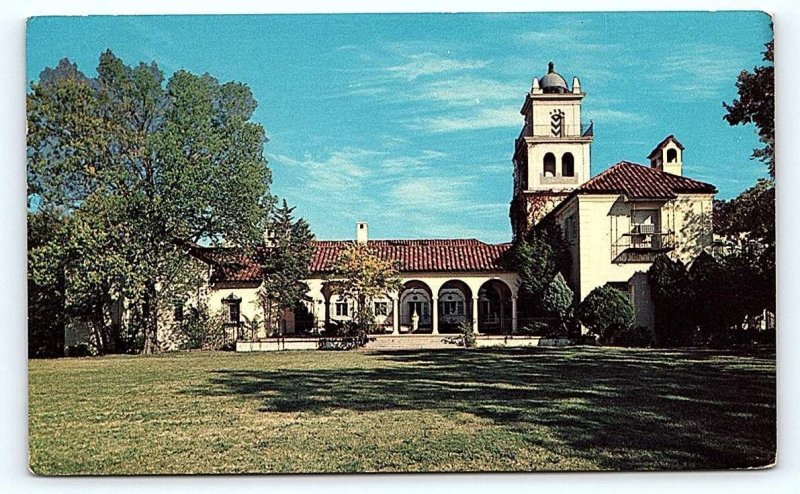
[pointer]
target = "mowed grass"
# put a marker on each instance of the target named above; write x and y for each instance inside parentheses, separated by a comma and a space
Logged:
(453, 410)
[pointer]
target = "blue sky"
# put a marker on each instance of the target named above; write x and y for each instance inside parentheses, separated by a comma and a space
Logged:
(408, 121)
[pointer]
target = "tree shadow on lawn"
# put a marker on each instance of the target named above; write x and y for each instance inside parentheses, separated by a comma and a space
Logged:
(622, 409)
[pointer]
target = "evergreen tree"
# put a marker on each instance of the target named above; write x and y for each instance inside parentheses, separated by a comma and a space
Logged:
(539, 256)
(286, 261)
(558, 299)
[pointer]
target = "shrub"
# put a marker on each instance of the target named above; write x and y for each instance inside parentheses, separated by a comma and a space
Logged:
(557, 298)
(639, 337)
(536, 328)
(606, 311)
(465, 328)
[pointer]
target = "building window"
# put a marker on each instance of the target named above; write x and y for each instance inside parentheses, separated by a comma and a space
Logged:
(567, 165)
(672, 155)
(421, 308)
(381, 308)
(341, 308)
(177, 312)
(453, 308)
(232, 305)
(549, 165)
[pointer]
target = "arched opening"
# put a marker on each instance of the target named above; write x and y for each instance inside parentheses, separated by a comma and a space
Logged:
(672, 155)
(549, 165)
(415, 298)
(494, 308)
(455, 304)
(567, 165)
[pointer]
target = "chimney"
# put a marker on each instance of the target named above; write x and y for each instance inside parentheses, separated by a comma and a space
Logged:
(362, 232)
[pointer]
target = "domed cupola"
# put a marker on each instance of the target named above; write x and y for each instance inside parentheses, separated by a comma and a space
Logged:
(552, 82)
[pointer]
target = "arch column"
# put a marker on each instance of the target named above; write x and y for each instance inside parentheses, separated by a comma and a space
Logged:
(475, 314)
(396, 314)
(514, 323)
(435, 315)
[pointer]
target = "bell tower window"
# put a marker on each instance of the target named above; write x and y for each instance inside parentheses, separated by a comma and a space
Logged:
(567, 165)
(672, 155)
(549, 169)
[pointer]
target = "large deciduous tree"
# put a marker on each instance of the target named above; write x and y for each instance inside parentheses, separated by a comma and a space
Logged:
(141, 170)
(756, 105)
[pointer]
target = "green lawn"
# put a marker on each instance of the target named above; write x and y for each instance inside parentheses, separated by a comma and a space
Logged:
(454, 410)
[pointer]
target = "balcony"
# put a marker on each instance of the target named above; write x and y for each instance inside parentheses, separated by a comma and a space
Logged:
(642, 244)
(557, 179)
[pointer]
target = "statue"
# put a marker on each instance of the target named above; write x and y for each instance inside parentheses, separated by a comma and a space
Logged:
(414, 321)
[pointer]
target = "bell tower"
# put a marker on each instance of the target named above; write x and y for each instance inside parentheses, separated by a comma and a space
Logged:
(552, 152)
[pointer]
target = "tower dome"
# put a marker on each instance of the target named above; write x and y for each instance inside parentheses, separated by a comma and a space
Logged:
(552, 82)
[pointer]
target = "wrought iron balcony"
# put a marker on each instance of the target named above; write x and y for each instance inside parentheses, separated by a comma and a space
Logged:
(642, 244)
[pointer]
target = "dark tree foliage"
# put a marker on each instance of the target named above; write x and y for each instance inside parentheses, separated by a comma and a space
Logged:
(751, 213)
(756, 105)
(558, 298)
(606, 311)
(285, 264)
(143, 168)
(674, 300)
(712, 302)
(539, 256)
(46, 316)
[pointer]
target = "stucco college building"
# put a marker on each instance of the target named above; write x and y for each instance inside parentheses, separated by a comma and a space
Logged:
(615, 224)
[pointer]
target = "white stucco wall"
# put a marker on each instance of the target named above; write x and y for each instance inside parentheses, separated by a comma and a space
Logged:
(538, 148)
(601, 222)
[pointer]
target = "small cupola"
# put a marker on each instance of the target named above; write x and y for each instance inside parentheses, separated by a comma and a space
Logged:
(362, 232)
(667, 156)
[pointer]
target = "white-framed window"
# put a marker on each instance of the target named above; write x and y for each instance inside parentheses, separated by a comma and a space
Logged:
(341, 308)
(381, 308)
(452, 308)
(232, 306)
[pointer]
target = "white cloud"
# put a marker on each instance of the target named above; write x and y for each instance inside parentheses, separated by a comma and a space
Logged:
(484, 118)
(469, 90)
(410, 193)
(425, 64)
(696, 72)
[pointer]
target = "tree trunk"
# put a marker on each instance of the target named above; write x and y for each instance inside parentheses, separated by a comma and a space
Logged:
(150, 316)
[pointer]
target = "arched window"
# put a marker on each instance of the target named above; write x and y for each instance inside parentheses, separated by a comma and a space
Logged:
(567, 165)
(549, 165)
(672, 155)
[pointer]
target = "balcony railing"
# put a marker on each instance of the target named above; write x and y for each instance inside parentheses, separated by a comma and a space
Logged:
(548, 131)
(642, 244)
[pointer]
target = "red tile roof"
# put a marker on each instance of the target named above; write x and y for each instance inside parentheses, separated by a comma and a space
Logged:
(642, 182)
(230, 264)
(438, 255)
(423, 255)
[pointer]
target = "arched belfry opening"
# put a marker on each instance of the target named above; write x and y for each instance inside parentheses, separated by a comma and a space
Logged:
(672, 155)
(549, 165)
(567, 165)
